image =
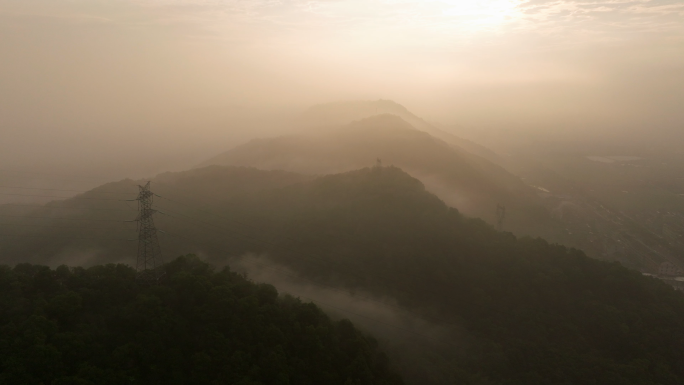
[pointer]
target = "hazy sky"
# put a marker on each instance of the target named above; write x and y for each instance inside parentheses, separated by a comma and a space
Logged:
(112, 78)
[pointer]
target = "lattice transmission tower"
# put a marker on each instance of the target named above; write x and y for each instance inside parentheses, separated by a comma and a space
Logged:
(500, 216)
(150, 263)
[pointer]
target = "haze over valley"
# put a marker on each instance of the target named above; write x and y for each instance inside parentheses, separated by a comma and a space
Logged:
(341, 192)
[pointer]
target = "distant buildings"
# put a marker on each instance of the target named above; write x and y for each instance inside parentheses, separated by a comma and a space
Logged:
(668, 269)
(671, 274)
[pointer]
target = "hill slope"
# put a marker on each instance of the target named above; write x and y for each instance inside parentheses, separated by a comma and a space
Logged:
(466, 181)
(100, 326)
(97, 226)
(517, 311)
(342, 113)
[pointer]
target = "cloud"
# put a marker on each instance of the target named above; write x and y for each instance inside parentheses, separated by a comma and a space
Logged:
(388, 22)
(604, 14)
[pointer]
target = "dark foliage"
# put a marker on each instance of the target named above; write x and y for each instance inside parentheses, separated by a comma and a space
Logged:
(198, 326)
(535, 313)
(522, 311)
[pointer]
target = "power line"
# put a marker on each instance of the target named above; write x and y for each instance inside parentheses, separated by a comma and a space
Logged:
(62, 197)
(42, 173)
(70, 219)
(40, 236)
(60, 226)
(62, 207)
(56, 189)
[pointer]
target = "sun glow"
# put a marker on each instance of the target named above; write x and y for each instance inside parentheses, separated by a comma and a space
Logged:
(481, 13)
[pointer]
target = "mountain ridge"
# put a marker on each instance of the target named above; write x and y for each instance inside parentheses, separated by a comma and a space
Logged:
(522, 311)
(472, 184)
(344, 112)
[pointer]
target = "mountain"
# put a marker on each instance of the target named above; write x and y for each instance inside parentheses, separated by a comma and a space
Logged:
(98, 225)
(471, 183)
(545, 191)
(481, 306)
(196, 326)
(342, 113)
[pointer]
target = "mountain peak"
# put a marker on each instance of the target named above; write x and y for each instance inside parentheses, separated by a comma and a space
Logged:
(341, 113)
(347, 111)
(382, 120)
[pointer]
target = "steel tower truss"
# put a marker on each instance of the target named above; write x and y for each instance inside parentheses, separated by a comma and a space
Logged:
(150, 263)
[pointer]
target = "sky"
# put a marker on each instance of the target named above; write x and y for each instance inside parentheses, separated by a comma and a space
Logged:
(97, 84)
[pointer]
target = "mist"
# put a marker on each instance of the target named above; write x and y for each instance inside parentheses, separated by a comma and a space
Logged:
(133, 88)
(439, 191)
(382, 316)
(420, 348)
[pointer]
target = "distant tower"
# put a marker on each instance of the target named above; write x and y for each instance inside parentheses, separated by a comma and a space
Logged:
(378, 163)
(149, 264)
(500, 216)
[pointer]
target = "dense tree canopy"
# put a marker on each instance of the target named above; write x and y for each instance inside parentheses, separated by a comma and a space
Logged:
(198, 326)
(535, 313)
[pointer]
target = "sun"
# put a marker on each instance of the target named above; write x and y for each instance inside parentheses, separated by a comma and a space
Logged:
(481, 13)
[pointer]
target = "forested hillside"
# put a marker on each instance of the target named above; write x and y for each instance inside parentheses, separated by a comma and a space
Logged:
(197, 326)
(537, 313)
(517, 311)
(465, 180)
(97, 226)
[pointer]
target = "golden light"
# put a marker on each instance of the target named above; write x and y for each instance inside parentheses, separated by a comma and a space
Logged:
(481, 13)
